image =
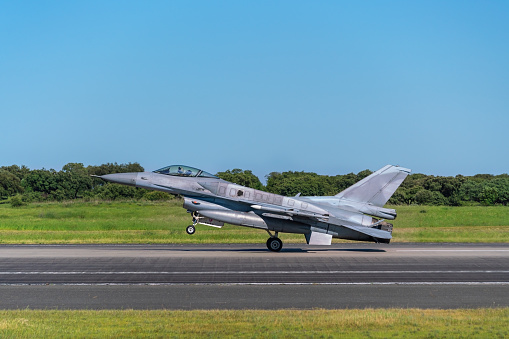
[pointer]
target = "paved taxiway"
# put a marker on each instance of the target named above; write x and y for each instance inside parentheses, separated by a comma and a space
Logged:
(249, 276)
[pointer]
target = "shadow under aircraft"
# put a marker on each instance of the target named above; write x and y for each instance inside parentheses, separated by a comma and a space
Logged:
(357, 213)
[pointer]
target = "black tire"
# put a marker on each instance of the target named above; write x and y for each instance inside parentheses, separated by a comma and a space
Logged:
(274, 244)
(190, 229)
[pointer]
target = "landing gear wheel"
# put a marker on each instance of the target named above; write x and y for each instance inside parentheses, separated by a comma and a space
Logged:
(274, 244)
(190, 229)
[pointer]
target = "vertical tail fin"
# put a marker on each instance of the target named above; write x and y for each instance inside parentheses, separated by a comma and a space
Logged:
(377, 188)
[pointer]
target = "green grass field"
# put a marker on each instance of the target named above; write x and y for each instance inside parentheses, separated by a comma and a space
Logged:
(367, 323)
(165, 222)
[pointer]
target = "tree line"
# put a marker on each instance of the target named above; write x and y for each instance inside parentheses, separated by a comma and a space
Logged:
(20, 185)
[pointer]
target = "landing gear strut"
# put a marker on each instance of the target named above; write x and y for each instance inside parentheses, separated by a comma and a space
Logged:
(274, 243)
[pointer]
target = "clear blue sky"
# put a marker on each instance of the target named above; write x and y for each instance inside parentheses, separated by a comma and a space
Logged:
(330, 87)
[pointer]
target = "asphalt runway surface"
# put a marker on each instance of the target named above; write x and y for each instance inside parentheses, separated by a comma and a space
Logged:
(354, 275)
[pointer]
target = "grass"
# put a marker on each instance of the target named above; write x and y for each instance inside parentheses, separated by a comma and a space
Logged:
(471, 224)
(164, 222)
(366, 323)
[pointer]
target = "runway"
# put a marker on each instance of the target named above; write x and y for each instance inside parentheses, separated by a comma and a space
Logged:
(249, 276)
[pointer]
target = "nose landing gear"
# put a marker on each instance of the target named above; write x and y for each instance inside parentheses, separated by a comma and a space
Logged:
(274, 243)
(192, 228)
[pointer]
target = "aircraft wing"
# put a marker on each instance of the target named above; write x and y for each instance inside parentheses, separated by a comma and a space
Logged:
(369, 231)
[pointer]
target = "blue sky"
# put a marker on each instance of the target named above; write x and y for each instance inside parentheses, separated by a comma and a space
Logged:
(330, 87)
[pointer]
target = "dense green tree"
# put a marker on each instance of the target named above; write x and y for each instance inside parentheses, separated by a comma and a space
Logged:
(362, 174)
(19, 172)
(488, 195)
(400, 197)
(118, 192)
(157, 196)
(501, 184)
(292, 183)
(114, 168)
(17, 201)
(10, 184)
(470, 190)
(59, 194)
(42, 181)
(448, 186)
(482, 177)
(74, 180)
(426, 197)
(241, 177)
(341, 182)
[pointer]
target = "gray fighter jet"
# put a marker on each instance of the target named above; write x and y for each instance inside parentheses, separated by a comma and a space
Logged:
(357, 213)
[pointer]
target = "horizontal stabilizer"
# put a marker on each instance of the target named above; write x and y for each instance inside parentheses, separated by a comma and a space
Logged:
(377, 188)
(372, 232)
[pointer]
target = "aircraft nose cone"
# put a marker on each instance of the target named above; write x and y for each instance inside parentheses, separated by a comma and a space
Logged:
(121, 178)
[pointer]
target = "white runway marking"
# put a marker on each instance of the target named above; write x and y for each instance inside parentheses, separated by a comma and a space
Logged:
(449, 250)
(247, 272)
(473, 283)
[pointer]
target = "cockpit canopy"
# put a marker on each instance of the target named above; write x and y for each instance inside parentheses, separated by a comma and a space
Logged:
(184, 171)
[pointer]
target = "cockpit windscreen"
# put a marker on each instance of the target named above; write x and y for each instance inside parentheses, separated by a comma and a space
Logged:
(184, 171)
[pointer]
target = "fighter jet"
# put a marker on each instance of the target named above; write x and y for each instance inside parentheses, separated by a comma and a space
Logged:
(357, 213)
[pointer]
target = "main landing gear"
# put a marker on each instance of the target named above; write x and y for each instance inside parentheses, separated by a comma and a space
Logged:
(274, 243)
